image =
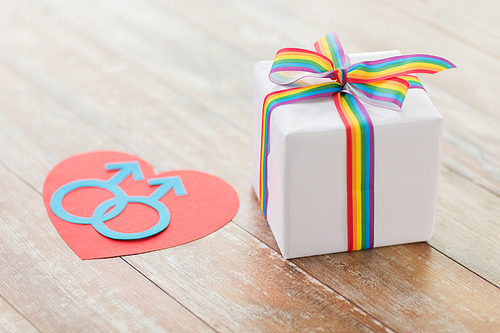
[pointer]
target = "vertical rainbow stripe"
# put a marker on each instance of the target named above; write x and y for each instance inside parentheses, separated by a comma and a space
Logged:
(360, 171)
(381, 83)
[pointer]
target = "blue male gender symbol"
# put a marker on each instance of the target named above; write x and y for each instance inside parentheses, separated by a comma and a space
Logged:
(103, 213)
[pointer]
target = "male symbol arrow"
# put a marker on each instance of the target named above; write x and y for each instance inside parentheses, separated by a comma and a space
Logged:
(126, 168)
(166, 184)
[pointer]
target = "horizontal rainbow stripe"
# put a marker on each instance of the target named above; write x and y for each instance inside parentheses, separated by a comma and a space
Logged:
(413, 81)
(300, 60)
(292, 64)
(381, 82)
(369, 71)
(388, 93)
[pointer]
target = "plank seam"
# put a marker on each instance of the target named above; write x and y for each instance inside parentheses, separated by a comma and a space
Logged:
(164, 6)
(438, 27)
(32, 324)
(469, 176)
(305, 272)
(463, 266)
(197, 103)
(15, 309)
(150, 74)
(164, 291)
(72, 110)
(2, 163)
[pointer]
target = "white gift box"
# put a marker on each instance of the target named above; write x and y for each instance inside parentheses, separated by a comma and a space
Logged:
(307, 203)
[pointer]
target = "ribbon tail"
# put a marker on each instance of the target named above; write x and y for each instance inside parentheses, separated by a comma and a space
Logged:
(413, 82)
(389, 94)
(360, 167)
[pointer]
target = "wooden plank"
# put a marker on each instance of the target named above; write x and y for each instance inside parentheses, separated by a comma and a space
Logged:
(471, 144)
(411, 287)
(41, 277)
(175, 54)
(477, 25)
(13, 321)
(33, 147)
(237, 284)
(467, 227)
(57, 291)
(207, 131)
(81, 278)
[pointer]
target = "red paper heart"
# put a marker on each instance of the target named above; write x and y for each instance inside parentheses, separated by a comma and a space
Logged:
(208, 205)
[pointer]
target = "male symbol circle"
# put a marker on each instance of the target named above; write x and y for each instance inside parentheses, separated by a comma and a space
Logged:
(103, 213)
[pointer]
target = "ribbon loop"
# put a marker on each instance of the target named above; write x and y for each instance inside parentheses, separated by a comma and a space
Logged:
(389, 94)
(292, 64)
(383, 69)
(329, 46)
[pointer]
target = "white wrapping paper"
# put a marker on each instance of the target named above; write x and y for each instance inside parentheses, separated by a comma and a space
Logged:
(307, 207)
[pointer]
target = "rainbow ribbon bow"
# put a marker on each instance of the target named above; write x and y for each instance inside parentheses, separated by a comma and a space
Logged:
(382, 83)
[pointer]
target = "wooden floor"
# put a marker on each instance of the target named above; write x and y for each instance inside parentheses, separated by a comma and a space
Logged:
(170, 81)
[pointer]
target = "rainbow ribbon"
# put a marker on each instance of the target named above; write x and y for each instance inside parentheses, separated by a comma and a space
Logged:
(382, 83)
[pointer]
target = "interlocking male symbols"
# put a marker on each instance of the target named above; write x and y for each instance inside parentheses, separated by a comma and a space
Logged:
(106, 204)
(113, 207)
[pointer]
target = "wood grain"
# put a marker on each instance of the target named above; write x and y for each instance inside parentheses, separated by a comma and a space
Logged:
(47, 283)
(256, 37)
(80, 76)
(346, 315)
(467, 225)
(236, 283)
(476, 25)
(41, 277)
(471, 143)
(39, 131)
(175, 54)
(442, 30)
(411, 288)
(13, 321)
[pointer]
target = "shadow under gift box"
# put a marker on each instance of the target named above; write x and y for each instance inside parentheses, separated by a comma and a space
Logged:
(307, 205)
